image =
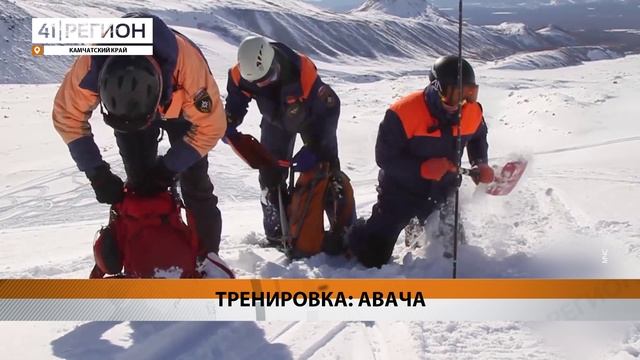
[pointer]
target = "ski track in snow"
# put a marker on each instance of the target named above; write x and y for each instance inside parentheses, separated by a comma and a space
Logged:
(284, 330)
(590, 146)
(322, 341)
(78, 266)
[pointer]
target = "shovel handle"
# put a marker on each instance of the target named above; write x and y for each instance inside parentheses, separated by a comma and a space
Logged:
(468, 172)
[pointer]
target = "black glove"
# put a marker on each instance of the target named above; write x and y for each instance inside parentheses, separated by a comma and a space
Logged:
(272, 176)
(108, 187)
(304, 160)
(158, 179)
(233, 121)
(336, 185)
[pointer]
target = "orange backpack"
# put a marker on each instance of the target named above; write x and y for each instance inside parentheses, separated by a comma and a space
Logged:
(316, 193)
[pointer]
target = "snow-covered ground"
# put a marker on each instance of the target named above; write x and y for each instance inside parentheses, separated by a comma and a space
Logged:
(577, 125)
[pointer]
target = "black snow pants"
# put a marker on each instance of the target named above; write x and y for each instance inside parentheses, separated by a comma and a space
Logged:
(139, 151)
(372, 242)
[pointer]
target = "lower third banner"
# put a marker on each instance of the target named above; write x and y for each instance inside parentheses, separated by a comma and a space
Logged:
(321, 299)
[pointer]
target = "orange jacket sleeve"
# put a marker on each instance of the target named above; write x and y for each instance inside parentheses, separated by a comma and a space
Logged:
(73, 105)
(200, 104)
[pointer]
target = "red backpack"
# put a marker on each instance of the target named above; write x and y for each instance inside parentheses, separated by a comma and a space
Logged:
(146, 238)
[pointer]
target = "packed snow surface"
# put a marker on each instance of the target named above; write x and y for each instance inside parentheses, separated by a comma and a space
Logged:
(577, 125)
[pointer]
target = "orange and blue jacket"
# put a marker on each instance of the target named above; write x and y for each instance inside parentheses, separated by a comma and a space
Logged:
(186, 78)
(417, 128)
(299, 85)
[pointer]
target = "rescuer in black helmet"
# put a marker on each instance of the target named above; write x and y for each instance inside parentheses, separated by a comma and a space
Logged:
(416, 153)
(140, 96)
(130, 88)
(444, 77)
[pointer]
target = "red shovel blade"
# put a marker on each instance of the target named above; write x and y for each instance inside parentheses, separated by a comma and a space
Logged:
(507, 179)
(251, 151)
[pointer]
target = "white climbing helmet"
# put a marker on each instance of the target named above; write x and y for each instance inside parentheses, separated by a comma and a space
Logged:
(255, 57)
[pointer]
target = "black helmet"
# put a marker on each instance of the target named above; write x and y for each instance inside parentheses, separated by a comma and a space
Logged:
(130, 89)
(445, 70)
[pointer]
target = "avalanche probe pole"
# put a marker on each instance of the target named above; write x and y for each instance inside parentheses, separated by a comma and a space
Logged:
(284, 221)
(458, 146)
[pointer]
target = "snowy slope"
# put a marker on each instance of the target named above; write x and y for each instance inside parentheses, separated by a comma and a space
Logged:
(550, 59)
(583, 141)
(38, 192)
(322, 340)
(373, 32)
(16, 63)
(579, 197)
(401, 8)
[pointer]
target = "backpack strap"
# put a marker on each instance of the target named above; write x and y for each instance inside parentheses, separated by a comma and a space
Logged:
(306, 213)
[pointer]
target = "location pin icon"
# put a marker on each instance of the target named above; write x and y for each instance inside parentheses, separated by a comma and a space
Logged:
(36, 50)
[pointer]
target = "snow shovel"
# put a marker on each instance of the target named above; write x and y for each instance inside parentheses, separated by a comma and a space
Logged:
(505, 180)
(251, 150)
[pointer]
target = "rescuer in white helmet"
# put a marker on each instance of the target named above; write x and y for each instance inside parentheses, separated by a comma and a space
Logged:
(292, 100)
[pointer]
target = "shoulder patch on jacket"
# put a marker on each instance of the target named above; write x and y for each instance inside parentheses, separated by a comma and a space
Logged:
(202, 101)
(327, 96)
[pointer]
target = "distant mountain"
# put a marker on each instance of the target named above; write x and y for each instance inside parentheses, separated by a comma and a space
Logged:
(378, 30)
(529, 3)
(557, 36)
(551, 59)
(546, 38)
(343, 5)
(337, 5)
(401, 8)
